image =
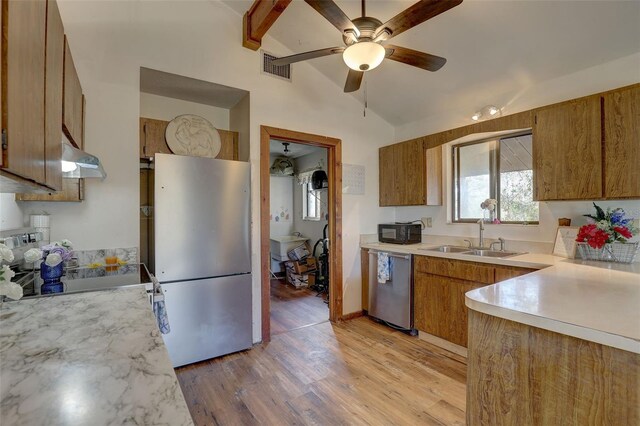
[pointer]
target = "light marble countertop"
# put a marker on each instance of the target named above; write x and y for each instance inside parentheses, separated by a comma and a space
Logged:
(88, 358)
(595, 301)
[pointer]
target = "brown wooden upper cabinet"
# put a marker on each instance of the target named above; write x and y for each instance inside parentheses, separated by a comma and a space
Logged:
(567, 150)
(31, 93)
(621, 110)
(152, 140)
(588, 148)
(54, 68)
(410, 174)
(73, 110)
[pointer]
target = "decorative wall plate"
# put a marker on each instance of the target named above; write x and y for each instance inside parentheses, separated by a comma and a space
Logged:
(193, 135)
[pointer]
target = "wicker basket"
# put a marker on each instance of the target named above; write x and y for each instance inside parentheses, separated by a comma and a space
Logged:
(613, 252)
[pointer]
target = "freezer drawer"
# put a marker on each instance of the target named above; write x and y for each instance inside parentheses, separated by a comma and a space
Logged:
(208, 318)
(393, 300)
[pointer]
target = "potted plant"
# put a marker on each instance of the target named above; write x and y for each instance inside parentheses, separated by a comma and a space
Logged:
(605, 236)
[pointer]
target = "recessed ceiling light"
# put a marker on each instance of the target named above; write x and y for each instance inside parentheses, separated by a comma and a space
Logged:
(476, 116)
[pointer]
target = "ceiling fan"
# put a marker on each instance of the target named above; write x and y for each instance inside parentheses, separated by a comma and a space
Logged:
(364, 38)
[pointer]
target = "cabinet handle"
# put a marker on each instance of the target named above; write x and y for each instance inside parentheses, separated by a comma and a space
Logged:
(144, 147)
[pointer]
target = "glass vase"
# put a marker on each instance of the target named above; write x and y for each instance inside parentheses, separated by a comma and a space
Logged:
(51, 276)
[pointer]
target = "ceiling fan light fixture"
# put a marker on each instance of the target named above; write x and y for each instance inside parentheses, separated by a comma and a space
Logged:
(363, 56)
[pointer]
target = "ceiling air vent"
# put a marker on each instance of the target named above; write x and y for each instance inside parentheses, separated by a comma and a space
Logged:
(282, 71)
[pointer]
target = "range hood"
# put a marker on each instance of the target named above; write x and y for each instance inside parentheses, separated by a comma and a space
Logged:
(79, 164)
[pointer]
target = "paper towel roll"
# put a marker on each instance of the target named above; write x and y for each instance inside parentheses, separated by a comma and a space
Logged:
(40, 220)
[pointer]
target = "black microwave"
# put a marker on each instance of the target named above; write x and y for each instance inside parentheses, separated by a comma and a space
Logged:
(400, 233)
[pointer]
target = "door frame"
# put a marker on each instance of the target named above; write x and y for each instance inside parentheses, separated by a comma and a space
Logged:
(334, 166)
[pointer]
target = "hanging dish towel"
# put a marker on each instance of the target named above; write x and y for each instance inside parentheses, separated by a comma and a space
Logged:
(160, 310)
(384, 273)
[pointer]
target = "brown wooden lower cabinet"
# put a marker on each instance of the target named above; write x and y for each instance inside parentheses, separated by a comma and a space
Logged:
(524, 375)
(439, 306)
(439, 287)
(72, 190)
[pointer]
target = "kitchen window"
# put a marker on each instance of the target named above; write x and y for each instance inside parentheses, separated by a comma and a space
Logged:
(497, 168)
(310, 203)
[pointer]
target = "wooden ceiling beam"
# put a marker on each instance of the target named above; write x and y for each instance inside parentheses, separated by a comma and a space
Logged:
(258, 19)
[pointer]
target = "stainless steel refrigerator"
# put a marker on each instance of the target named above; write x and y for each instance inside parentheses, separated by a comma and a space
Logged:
(203, 255)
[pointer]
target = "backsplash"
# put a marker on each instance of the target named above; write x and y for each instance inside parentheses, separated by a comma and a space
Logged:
(97, 257)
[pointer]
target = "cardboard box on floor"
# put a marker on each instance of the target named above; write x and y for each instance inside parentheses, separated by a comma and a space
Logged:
(305, 266)
(301, 273)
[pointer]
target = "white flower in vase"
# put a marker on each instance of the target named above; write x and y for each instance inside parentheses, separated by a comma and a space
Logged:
(5, 253)
(7, 288)
(53, 259)
(32, 255)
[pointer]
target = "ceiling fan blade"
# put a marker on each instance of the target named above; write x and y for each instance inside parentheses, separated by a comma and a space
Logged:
(354, 79)
(307, 55)
(414, 15)
(333, 14)
(413, 57)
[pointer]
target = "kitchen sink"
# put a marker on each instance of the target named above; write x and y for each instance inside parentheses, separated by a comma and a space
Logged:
(448, 249)
(491, 253)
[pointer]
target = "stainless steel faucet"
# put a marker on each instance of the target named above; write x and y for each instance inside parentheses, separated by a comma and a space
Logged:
(500, 241)
(481, 242)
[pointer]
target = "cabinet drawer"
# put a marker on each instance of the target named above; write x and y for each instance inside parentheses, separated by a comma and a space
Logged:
(460, 269)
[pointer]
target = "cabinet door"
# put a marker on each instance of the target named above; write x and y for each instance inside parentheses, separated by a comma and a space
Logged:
(153, 140)
(53, 96)
(622, 143)
(439, 306)
(567, 150)
(403, 174)
(23, 63)
(72, 111)
(229, 148)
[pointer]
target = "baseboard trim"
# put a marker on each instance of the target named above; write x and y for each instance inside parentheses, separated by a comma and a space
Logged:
(352, 315)
(444, 344)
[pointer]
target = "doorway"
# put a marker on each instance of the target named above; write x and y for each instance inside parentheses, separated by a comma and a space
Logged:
(293, 293)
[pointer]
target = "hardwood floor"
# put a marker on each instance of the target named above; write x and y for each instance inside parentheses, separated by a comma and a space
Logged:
(293, 308)
(355, 372)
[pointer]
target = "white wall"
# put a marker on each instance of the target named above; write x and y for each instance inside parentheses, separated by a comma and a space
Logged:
(111, 40)
(281, 199)
(11, 215)
(607, 76)
(309, 228)
(163, 108)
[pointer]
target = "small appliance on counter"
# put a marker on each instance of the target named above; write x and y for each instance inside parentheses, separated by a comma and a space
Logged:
(400, 233)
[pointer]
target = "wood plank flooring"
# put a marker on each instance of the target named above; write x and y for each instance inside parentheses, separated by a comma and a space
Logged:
(293, 308)
(356, 372)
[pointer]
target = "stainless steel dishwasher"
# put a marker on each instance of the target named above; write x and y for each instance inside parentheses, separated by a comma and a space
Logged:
(392, 301)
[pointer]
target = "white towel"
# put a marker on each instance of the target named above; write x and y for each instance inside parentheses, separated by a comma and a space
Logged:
(384, 273)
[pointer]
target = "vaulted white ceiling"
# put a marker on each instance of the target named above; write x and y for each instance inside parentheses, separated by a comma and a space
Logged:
(495, 50)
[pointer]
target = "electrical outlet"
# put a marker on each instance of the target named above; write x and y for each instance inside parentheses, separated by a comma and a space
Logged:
(636, 222)
(428, 222)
